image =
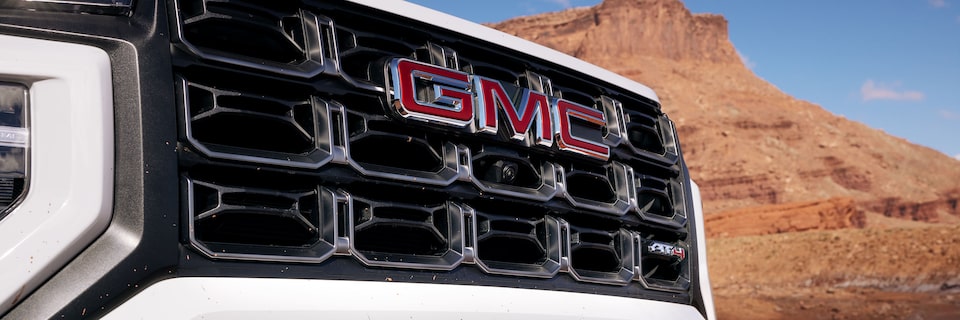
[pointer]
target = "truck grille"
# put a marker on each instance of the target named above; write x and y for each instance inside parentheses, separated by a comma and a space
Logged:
(291, 152)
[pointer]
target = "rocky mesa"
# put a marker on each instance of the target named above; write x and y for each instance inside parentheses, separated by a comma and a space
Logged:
(748, 143)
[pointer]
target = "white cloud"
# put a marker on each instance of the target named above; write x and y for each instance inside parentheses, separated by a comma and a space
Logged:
(881, 91)
(938, 3)
(949, 115)
(957, 157)
(746, 60)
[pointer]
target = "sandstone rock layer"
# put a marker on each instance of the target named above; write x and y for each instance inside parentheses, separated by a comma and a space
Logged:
(747, 143)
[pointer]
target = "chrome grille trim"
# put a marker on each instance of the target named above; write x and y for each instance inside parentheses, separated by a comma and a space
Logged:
(620, 245)
(654, 193)
(616, 175)
(311, 62)
(445, 258)
(316, 251)
(546, 232)
(318, 135)
(448, 157)
(341, 215)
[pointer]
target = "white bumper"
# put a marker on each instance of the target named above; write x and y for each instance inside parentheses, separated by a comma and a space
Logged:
(253, 298)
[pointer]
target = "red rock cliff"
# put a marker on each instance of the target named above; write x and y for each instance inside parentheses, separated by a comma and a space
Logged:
(746, 142)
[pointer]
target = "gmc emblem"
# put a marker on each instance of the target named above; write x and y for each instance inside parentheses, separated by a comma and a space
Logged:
(434, 94)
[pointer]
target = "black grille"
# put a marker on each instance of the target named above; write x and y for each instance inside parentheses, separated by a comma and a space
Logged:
(600, 254)
(279, 38)
(378, 146)
(292, 150)
(243, 124)
(516, 240)
(407, 234)
(249, 221)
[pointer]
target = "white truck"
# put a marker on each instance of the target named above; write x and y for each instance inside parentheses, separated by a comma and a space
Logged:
(245, 159)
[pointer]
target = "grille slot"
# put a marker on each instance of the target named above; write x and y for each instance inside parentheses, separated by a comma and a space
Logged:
(593, 186)
(512, 233)
(407, 235)
(360, 51)
(246, 222)
(528, 245)
(660, 200)
(663, 264)
(657, 204)
(377, 148)
(605, 188)
(235, 125)
(650, 136)
(281, 39)
(507, 172)
(408, 153)
(401, 230)
(644, 134)
(278, 39)
(600, 255)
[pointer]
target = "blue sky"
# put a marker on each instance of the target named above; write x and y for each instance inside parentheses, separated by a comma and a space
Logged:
(892, 64)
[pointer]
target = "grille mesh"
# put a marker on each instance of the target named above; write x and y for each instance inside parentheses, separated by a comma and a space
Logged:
(299, 94)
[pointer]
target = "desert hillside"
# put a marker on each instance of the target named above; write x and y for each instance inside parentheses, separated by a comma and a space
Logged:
(747, 143)
(809, 215)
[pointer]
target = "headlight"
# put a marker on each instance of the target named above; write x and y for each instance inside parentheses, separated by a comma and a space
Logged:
(14, 141)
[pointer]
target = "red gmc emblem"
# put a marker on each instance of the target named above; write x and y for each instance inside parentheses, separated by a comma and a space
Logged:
(434, 94)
